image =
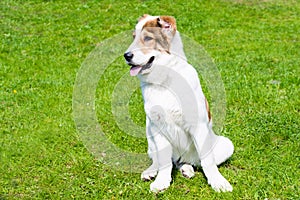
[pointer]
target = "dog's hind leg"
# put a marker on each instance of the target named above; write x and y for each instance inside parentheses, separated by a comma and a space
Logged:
(222, 150)
(187, 170)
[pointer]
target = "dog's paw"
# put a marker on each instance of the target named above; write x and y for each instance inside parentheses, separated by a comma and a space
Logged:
(187, 171)
(149, 174)
(220, 184)
(159, 185)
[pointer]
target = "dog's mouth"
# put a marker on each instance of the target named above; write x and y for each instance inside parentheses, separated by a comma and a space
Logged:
(136, 69)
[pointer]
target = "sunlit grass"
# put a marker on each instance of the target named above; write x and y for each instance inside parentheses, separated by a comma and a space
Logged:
(255, 45)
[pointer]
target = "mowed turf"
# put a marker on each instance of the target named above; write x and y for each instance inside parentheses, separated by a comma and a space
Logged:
(254, 44)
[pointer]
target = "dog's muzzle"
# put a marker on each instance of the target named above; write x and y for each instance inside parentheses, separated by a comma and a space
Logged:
(137, 68)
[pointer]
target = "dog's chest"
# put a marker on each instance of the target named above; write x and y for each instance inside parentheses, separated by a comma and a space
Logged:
(161, 105)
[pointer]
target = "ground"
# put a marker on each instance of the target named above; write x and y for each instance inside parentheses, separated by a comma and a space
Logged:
(254, 44)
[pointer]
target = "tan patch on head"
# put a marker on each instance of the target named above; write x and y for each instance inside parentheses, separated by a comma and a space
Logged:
(152, 23)
(156, 32)
(164, 22)
(160, 40)
(170, 20)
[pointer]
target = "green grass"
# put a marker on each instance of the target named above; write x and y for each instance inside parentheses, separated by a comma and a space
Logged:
(255, 45)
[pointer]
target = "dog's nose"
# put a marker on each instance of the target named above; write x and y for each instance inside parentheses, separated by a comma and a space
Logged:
(128, 56)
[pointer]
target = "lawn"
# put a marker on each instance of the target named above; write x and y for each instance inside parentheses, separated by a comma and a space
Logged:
(45, 45)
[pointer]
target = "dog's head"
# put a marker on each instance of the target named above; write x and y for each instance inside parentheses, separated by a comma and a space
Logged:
(152, 40)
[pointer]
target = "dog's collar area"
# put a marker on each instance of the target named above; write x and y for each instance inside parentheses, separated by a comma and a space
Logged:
(136, 69)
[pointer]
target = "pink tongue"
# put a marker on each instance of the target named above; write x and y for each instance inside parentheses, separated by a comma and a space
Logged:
(135, 70)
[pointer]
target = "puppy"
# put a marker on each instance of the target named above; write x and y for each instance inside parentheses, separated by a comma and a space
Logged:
(178, 123)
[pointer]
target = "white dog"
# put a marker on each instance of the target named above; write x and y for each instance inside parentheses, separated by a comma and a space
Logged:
(178, 124)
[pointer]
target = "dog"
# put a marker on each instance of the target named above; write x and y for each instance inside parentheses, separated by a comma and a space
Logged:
(178, 122)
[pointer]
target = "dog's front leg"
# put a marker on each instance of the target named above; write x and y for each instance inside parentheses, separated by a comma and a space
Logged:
(214, 177)
(204, 143)
(160, 150)
(151, 171)
(162, 157)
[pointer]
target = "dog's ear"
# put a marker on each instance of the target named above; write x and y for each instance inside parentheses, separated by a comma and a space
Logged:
(167, 23)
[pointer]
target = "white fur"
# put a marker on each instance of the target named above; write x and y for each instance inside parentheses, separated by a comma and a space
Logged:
(187, 170)
(177, 125)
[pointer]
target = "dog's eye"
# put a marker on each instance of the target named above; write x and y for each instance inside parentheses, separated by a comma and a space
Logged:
(147, 38)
